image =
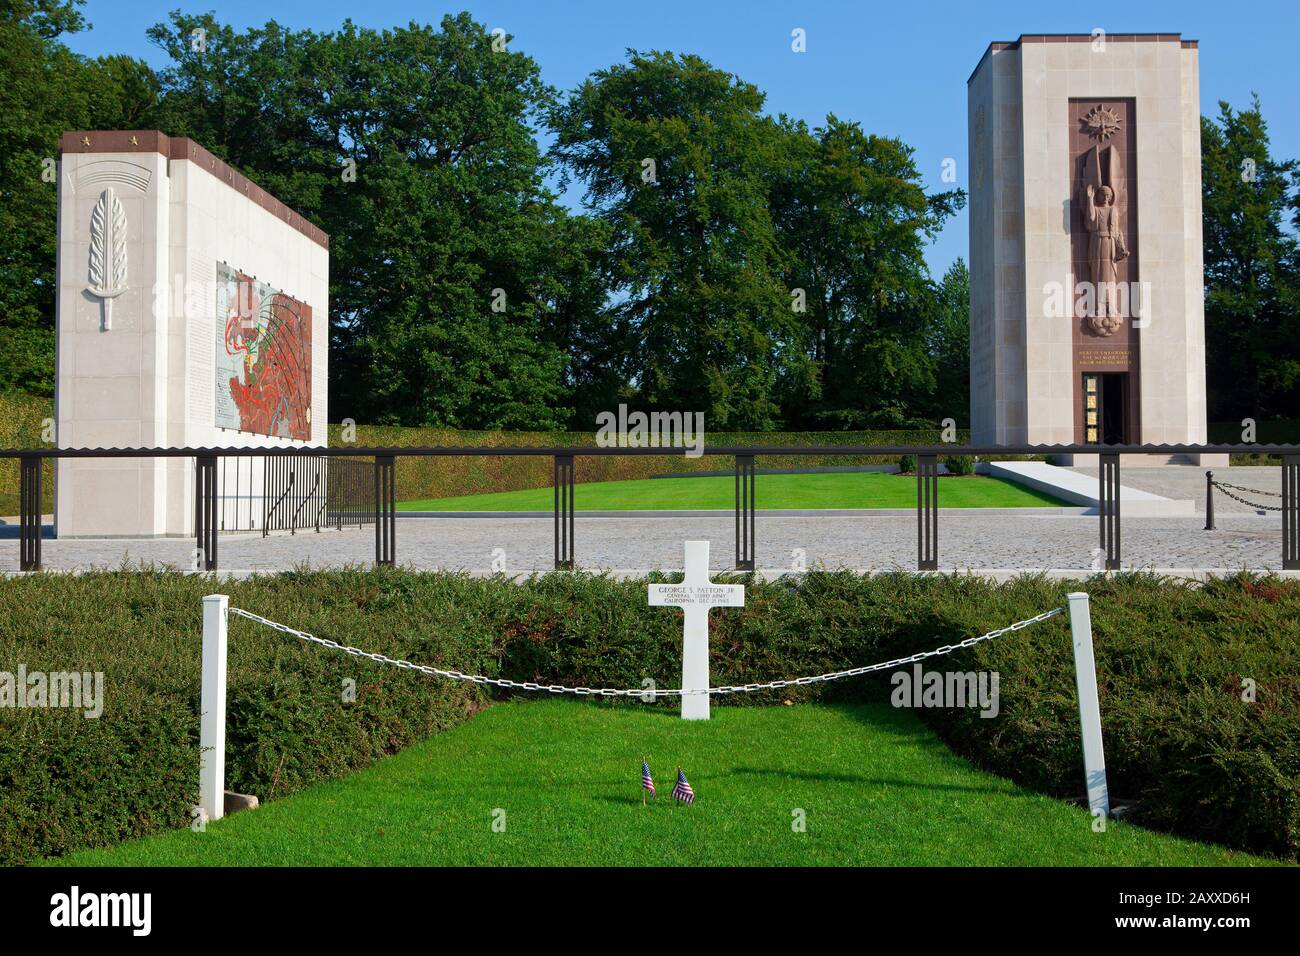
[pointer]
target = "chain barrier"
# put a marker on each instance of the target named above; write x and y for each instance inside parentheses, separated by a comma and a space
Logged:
(642, 692)
(1223, 486)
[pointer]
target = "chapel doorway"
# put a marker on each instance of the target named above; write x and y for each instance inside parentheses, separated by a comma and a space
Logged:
(1105, 408)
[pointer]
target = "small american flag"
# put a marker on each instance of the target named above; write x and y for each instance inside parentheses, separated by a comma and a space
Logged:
(646, 782)
(682, 791)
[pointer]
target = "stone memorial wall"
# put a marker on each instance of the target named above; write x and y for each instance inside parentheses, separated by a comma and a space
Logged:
(192, 311)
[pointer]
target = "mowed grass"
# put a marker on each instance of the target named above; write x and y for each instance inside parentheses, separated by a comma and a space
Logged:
(873, 785)
(830, 490)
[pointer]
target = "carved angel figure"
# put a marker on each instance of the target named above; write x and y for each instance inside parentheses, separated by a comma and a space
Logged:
(1105, 248)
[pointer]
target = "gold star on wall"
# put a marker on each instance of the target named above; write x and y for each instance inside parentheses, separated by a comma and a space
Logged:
(85, 141)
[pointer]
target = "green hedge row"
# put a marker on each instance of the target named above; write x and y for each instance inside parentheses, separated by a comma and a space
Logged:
(68, 782)
(1172, 660)
(420, 478)
(22, 425)
(22, 417)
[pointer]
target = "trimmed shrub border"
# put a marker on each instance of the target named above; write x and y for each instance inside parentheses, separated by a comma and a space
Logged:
(1172, 662)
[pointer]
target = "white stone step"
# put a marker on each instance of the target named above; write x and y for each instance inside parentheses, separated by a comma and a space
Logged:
(1080, 489)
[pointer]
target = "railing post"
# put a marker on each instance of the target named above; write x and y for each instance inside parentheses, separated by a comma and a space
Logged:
(212, 719)
(1108, 505)
(29, 513)
(1209, 501)
(385, 510)
(745, 491)
(927, 513)
(1291, 512)
(1085, 682)
(205, 510)
(563, 512)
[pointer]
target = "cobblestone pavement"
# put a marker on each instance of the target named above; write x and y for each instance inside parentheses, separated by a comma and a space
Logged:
(1186, 481)
(965, 541)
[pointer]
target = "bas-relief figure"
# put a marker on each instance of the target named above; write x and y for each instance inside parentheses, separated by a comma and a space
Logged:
(1103, 194)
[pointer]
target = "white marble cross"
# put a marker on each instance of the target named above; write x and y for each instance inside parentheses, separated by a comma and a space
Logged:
(695, 595)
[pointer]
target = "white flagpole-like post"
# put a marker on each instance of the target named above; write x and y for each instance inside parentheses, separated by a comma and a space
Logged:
(212, 724)
(1085, 679)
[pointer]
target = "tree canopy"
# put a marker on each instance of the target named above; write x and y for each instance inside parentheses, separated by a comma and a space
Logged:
(766, 271)
(1252, 269)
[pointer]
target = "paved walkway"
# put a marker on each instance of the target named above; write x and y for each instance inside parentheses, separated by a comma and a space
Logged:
(967, 540)
(1189, 482)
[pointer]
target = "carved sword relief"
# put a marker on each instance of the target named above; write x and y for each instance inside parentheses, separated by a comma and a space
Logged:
(108, 252)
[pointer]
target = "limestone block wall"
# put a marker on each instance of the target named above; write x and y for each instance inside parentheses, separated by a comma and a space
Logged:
(147, 377)
(997, 251)
(1022, 90)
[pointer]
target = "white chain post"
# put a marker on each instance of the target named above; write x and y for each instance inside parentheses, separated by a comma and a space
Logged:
(1085, 678)
(212, 723)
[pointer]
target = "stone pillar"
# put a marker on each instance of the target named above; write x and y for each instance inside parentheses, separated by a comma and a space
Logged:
(1060, 125)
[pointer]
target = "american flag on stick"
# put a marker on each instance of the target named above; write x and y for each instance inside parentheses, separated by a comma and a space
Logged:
(646, 782)
(682, 790)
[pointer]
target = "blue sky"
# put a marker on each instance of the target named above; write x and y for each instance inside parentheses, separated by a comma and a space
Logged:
(899, 69)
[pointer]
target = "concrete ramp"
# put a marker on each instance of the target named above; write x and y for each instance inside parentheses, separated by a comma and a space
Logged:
(1080, 489)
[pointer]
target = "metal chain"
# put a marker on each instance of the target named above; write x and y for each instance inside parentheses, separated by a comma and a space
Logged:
(1224, 488)
(643, 692)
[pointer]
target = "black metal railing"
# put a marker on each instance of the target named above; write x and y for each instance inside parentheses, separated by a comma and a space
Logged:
(563, 483)
(29, 513)
(745, 512)
(927, 513)
(315, 492)
(320, 487)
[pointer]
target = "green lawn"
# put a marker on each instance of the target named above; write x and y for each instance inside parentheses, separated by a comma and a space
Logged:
(829, 490)
(875, 785)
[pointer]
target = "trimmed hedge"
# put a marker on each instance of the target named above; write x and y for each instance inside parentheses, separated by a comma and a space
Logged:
(419, 478)
(22, 422)
(70, 782)
(1171, 662)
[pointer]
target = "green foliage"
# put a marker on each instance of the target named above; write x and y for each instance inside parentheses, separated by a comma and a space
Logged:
(47, 90)
(420, 478)
(762, 272)
(691, 249)
(960, 464)
(853, 218)
(71, 782)
(1171, 659)
(824, 490)
(950, 345)
(447, 217)
(571, 793)
(907, 464)
(22, 425)
(1252, 269)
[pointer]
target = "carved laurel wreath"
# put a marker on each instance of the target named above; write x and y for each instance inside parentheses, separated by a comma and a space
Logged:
(108, 246)
(1102, 122)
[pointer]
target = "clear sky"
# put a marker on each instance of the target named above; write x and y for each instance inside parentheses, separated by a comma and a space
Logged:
(899, 69)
